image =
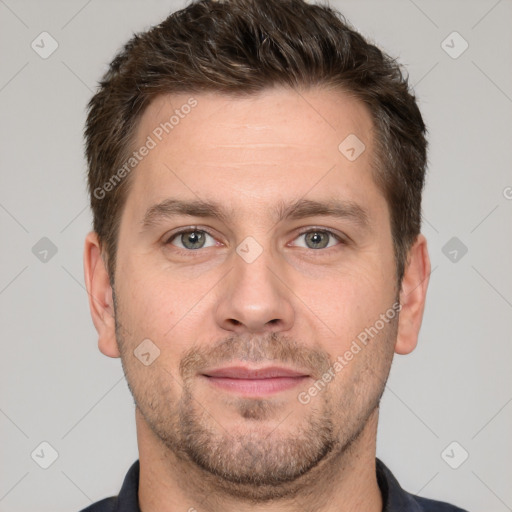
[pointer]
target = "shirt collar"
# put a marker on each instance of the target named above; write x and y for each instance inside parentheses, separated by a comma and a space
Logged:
(394, 498)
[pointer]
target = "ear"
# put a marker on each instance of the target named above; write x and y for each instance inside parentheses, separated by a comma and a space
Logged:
(412, 296)
(100, 296)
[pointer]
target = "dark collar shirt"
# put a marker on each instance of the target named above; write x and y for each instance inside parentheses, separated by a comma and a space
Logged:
(395, 499)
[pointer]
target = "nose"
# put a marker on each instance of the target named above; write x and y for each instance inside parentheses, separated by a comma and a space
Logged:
(254, 298)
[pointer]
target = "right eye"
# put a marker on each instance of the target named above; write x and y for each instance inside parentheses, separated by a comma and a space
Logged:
(190, 239)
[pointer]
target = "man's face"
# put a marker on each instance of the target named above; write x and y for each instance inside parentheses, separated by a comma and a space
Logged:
(256, 289)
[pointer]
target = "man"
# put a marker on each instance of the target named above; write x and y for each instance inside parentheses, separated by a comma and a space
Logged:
(255, 171)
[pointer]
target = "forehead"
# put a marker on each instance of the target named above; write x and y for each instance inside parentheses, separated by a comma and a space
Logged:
(268, 145)
(313, 120)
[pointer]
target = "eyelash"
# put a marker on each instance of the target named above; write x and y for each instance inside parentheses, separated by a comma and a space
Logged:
(191, 229)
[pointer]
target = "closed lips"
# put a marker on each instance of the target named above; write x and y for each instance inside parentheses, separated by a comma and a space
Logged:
(245, 373)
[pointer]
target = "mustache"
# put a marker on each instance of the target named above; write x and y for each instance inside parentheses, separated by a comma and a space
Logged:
(271, 347)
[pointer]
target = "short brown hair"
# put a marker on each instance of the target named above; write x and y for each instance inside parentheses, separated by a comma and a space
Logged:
(240, 47)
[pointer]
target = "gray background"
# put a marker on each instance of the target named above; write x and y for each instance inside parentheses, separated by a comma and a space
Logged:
(57, 387)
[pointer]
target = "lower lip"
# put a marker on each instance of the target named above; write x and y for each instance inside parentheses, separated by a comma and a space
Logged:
(256, 387)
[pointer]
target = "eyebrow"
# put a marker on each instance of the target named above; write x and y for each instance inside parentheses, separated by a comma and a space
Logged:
(299, 209)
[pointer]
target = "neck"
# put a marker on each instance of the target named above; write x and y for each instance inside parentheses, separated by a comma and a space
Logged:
(342, 482)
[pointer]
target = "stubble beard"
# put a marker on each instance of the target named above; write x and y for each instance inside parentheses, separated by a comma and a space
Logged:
(256, 464)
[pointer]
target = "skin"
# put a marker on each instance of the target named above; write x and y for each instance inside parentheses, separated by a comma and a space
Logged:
(296, 306)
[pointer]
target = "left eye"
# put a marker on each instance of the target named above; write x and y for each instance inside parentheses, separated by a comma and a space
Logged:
(318, 239)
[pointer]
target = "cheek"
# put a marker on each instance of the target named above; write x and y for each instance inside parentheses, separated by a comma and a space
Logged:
(161, 310)
(148, 307)
(350, 304)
